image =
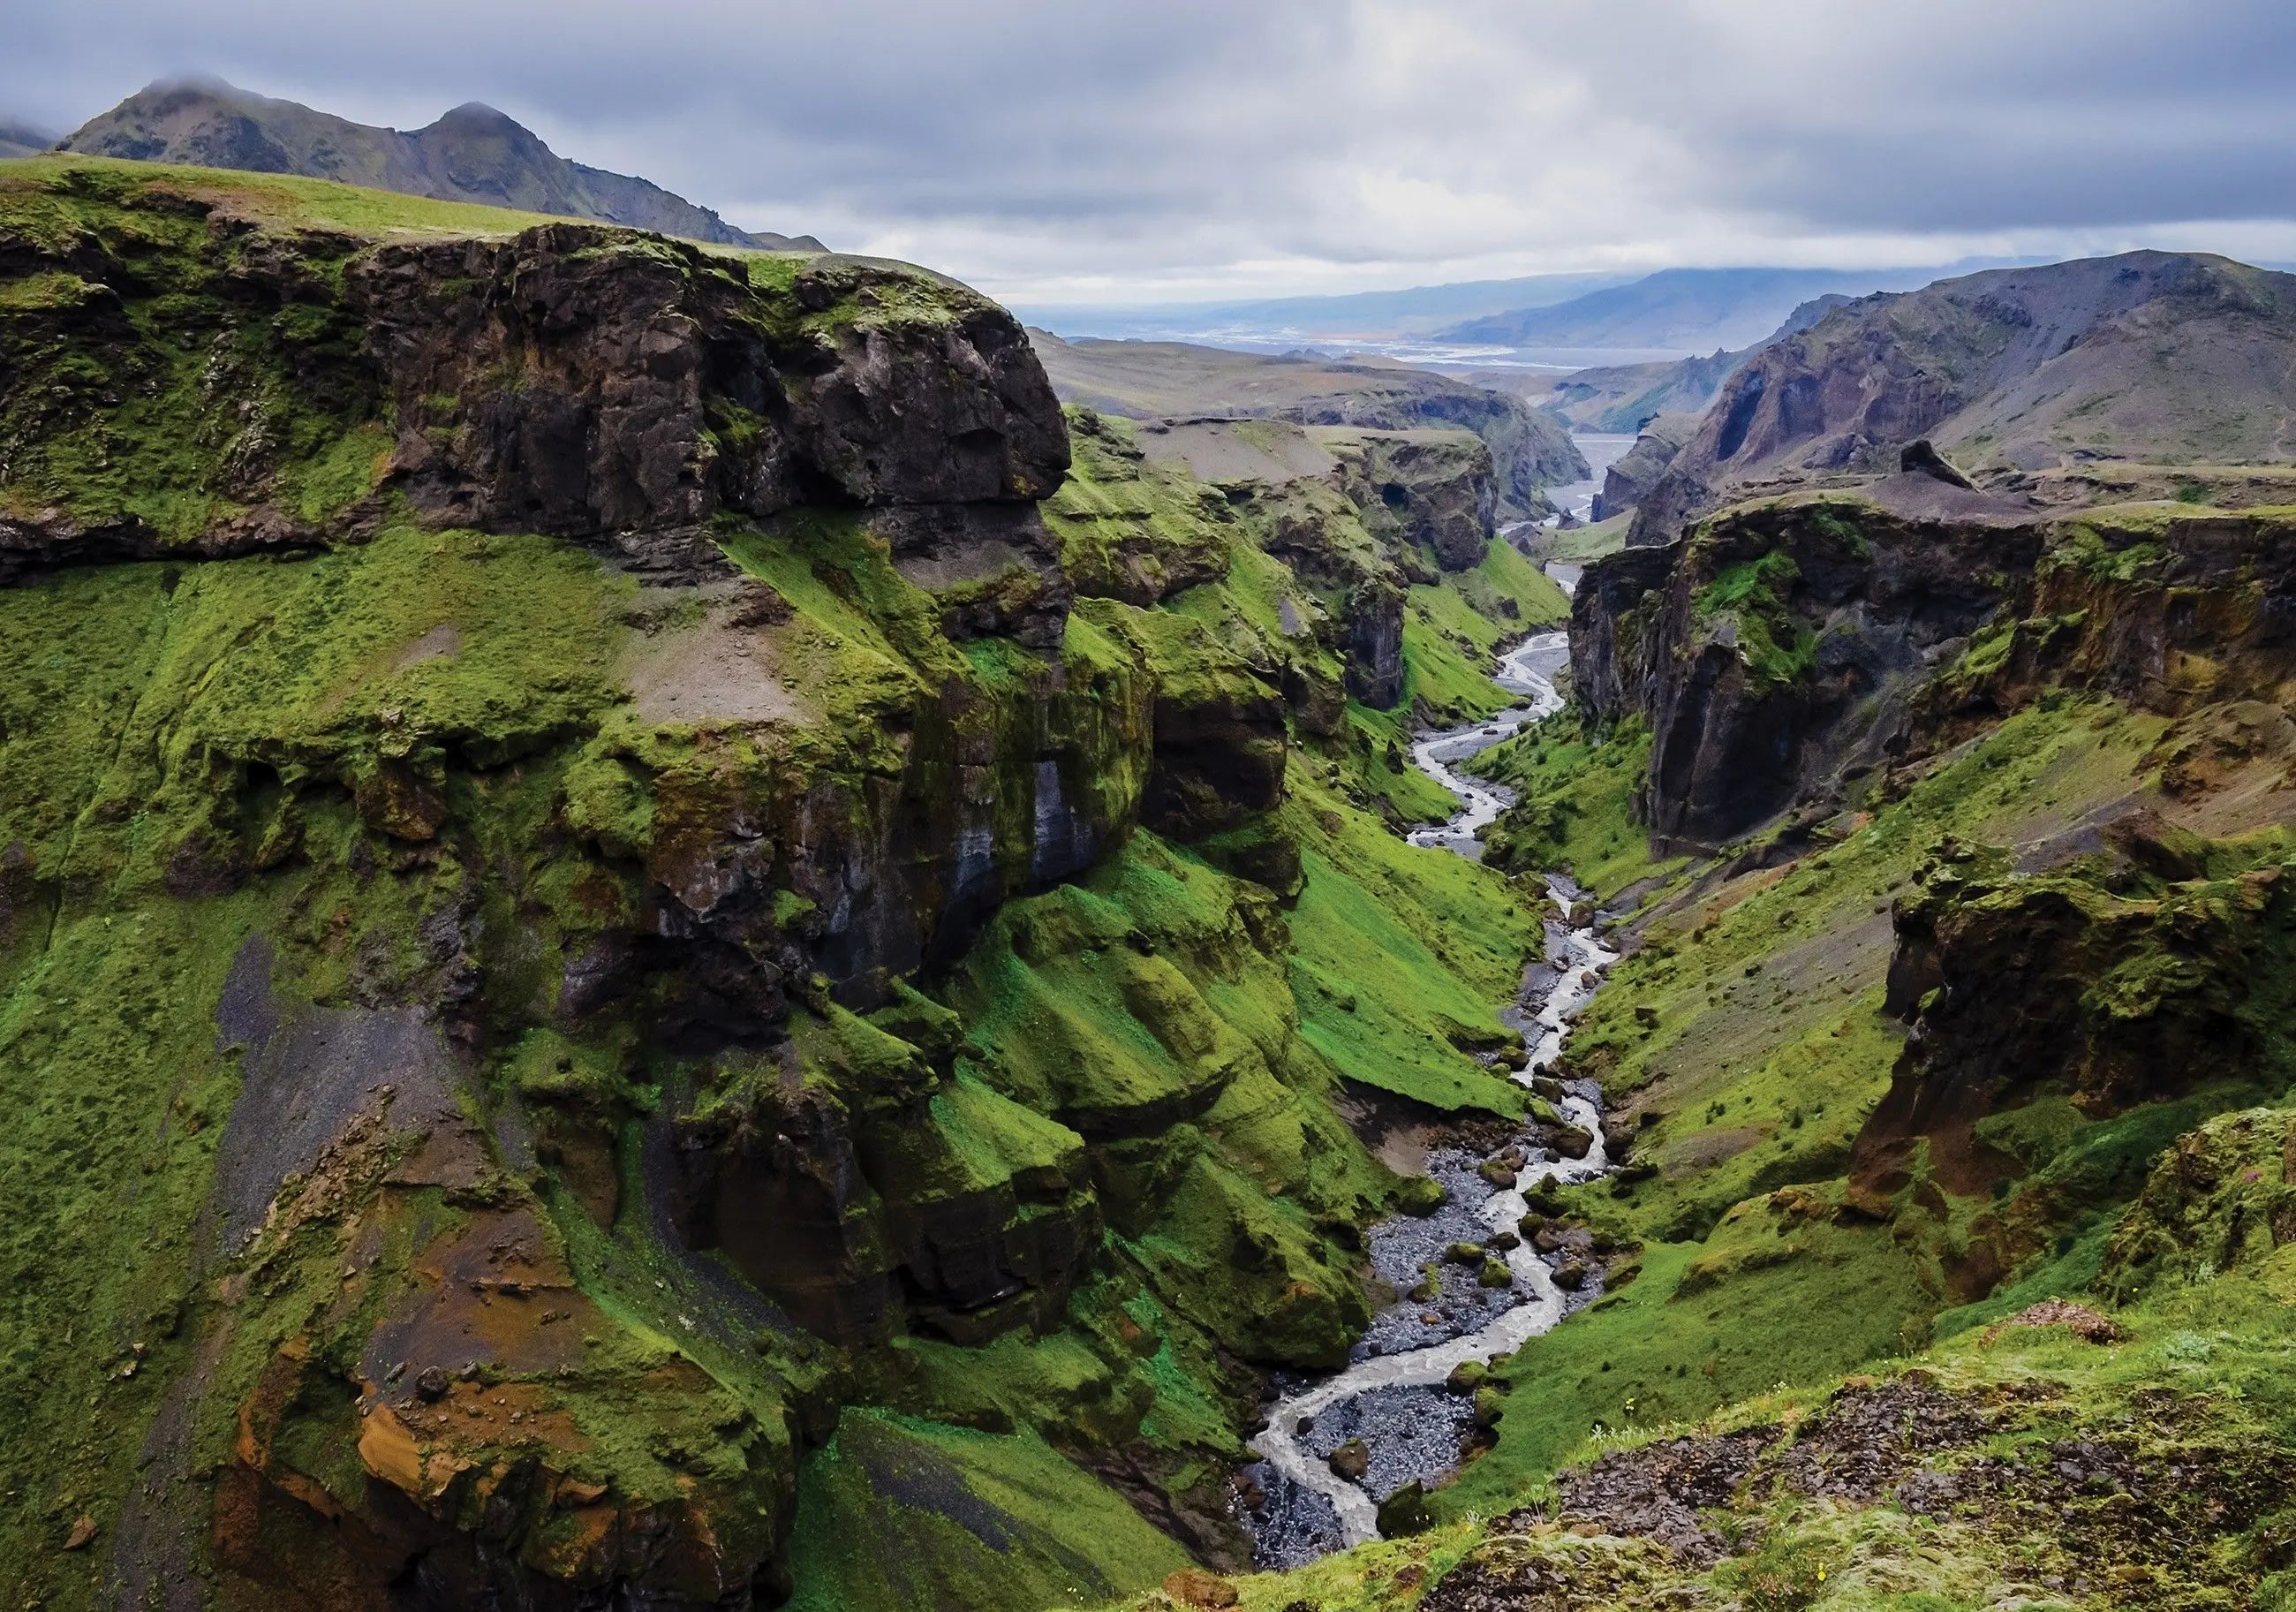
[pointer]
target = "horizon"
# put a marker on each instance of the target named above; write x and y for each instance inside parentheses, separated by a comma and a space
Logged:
(1181, 155)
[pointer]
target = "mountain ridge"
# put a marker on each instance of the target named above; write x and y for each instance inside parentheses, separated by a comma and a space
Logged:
(2022, 374)
(472, 153)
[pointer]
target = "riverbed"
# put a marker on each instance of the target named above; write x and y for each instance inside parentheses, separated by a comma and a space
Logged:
(1391, 1395)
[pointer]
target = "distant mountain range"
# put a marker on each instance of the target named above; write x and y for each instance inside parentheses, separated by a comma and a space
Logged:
(22, 140)
(1690, 310)
(1355, 315)
(473, 153)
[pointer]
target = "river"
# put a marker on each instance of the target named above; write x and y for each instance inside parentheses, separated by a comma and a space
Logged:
(1391, 1395)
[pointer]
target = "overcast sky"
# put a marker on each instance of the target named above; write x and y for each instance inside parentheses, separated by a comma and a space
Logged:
(1142, 150)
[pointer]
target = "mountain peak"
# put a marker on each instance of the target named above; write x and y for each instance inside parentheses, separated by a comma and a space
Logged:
(474, 153)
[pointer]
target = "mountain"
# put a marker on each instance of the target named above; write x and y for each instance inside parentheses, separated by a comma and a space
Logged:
(20, 139)
(1624, 397)
(2020, 375)
(1689, 309)
(1354, 316)
(1165, 380)
(473, 153)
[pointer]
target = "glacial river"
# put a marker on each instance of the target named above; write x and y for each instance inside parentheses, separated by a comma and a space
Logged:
(1391, 1396)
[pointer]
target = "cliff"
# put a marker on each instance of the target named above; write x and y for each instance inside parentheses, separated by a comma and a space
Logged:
(1782, 649)
(1157, 380)
(1634, 472)
(674, 917)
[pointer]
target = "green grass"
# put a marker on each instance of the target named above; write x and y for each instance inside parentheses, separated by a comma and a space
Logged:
(961, 1518)
(1770, 1303)
(1574, 811)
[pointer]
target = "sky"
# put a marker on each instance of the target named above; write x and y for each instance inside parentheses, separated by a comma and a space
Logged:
(1139, 150)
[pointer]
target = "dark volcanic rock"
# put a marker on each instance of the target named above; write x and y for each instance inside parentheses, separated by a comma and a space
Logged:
(574, 381)
(1636, 472)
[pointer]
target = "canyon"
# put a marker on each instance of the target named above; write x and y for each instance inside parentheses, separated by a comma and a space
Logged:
(692, 926)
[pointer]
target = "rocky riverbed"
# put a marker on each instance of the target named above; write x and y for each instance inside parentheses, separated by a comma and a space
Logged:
(1472, 1280)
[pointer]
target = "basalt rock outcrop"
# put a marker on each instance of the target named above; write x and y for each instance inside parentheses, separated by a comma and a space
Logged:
(1784, 647)
(2112, 988)
(1776, 645)
(1634, 472)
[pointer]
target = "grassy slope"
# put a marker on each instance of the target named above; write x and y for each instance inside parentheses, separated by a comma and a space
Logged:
(1394, 958)
(1757, 1050)
(175, 731)
(2212, 1361)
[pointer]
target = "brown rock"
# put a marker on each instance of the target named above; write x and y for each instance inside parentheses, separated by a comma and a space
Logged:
(83, 1530)
(1194, 1587)
(1350, 1461)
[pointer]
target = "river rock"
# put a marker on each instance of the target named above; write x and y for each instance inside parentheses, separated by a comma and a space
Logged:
(1570, 1275)
(1466, 1377)
(1350, 1461)
(1464, 1253)
(1497, 1172)
(1490, 1405)
(1573, 1143)
(1496, 1274)
(1405, 1512)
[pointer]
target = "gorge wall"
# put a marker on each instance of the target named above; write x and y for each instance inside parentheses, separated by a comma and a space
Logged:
(679, 917)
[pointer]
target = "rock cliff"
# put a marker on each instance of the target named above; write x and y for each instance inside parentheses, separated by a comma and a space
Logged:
(1784, 647)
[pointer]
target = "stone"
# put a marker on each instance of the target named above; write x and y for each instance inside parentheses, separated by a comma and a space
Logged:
(1405, 1512)
(1495, 1274)
(1194, 1587)
(1570, 1275)
(1350, 1461)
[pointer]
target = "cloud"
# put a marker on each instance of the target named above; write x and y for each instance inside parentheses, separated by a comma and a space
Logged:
(1134, 148)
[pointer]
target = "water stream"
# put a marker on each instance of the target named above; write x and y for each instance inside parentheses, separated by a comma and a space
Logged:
(1391, 1394)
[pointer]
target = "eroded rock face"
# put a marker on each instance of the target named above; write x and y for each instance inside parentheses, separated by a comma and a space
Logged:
(1748, 646)
(2117, 996)
(577, 382)
(1632, 475)
(1785, 646)
(1434, 488)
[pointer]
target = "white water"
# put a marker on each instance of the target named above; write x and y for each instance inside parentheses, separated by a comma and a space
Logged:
(1580, 960)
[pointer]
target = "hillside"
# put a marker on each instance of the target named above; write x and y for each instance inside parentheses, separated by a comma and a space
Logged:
(1627, 396)
(2025, 377)
(473, 153)
(1171, 379)
(1952, 1256)
(662, 942)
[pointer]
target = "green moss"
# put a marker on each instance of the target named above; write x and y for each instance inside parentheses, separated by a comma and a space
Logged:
(1752, 596)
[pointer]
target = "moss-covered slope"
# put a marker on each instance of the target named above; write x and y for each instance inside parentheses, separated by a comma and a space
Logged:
(618, 950)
